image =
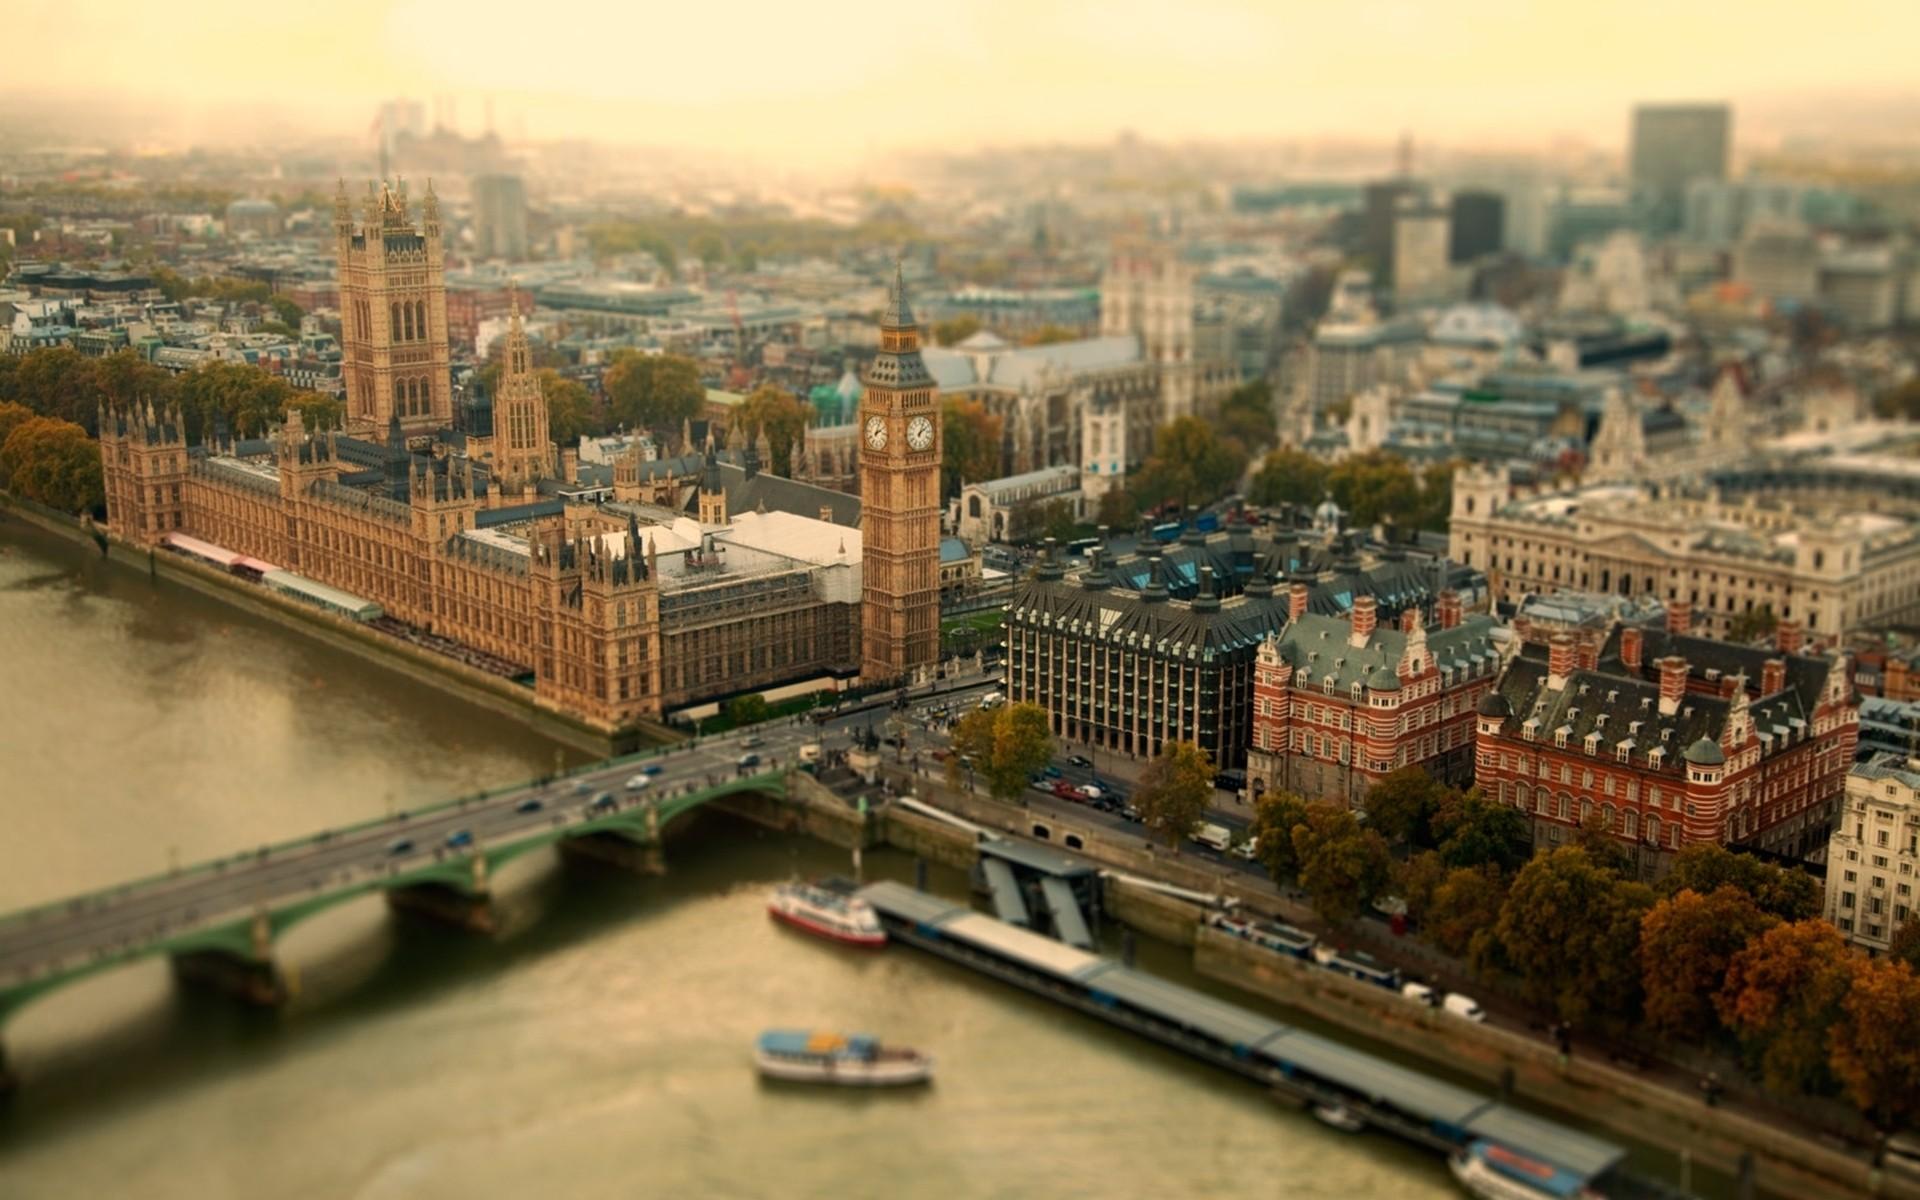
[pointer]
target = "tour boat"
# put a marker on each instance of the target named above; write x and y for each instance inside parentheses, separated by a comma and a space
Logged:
(1339, 1116)
(1494, 1172)
(830, 914)
(851, 1060)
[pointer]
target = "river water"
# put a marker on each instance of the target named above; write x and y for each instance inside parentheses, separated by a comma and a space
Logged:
(597, 1046)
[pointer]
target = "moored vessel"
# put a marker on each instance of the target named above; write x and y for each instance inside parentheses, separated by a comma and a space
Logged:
(850, 1060)
(828, 913)
(1493, 1172)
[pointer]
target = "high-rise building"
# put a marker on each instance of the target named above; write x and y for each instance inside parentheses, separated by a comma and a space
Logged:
(899, 501)
(1673, 145)
(1420, 241)
(1382, 211)
(1478, 225)
(393, 315)
(500, 216)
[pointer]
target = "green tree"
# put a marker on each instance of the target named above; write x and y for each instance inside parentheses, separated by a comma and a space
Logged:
(1782, 891)
(1905, 946)
(1472, 831)
(1416, 879)
(1189, 466)
(1037, 520)
(1375, 486)
(778, 414)
(653, 391)
(1686, 943)
(1781, 998)
(954, 330)
(1596, 838)
(58, 382)
(123, 378)
(1569, 931)
(55, 463)
(318, 411)
(1752, 626)
(969, 444)
(1900, 403)
(1118, 510)
(569, 407)
(1288, 476)
(287, 311)
(1246, 417)
(1875, 1046)
(1402, 805)
(1276, 815)
(750, 709)
(251, 399)
(1343, 865)
(1175, 790)
(1006, 745)
(1466, 901)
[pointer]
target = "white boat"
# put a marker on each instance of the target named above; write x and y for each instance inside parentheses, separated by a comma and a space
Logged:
(1339, 1116)
(830, 914)
(850, 1060)
(1493, 1172)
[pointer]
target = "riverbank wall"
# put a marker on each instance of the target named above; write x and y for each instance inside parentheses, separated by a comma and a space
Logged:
(415, 662)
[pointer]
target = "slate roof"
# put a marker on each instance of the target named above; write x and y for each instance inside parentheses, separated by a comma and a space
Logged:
(779, 494)
(1318, 646)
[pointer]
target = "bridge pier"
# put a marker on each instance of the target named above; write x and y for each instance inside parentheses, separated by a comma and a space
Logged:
(473, 913)
(636, 857)
(254, 981)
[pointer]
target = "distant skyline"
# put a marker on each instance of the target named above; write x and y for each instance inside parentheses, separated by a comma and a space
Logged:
(835, 81)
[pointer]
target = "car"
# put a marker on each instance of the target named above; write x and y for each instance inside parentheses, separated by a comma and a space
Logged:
(1249, 849)
(1213, 837)
(604, 802)
(1420, 993)
(1465, 1007)
(992, 700)
(1040, 783)
(651, 769)
(1066, 791)
(810, 753)
(530, 804)
(459, 839)
(1092, 791)
(1051, 771)
(752, 743)
(637, 782)
(582, 788)
(1079, 760)
(748, 760)
(1230, 780)
(399, 846)
(1131, 813)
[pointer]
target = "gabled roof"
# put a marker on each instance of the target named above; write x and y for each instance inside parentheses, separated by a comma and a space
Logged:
(1318, 647)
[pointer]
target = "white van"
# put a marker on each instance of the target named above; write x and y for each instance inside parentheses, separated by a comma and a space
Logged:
(1419, 993)
(1464, 1006)
(1213, 837)
(992, 700)
(810, 753)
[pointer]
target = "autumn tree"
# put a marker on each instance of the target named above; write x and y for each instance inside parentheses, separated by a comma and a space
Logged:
(1473, 831)
(1752, 626)
(1595, 837)
(750, 709)
(1006, 746)
(1569, 931)
(1466, 901)
(1905, 946)
(970, 444)
(1246, 417)
(58, 382)
(1288, 476)
(1276, 814)
(1374, 486)
(780, 416)
(55, 463)
(1117, 510)
(1047, 335)
(1686, 943)
(1175, 790)
(1189, 466)
(12, 416)
(1782, 891)
(1343, 865)
(653, 391)
(1038, 520)
(954, 330)
(1875, 1046)
(569, 407)
(1401, 806)
(1781, 996)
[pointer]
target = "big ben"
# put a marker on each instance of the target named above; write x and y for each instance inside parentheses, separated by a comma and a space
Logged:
(899, 502)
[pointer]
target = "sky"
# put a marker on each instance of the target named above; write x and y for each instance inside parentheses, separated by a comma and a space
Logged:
(835, 79)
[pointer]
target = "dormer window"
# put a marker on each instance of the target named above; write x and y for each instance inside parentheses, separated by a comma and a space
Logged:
(1560, 737)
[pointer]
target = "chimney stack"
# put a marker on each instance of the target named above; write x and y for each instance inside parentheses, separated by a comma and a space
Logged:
(1787, 637)
(1679, 616)
(1296, 600)
(1673, 683)
(1409, 617)
(1559, 660)
(1631, 639)
(1586, 654)
(1773, 676)
(1446, 609)
(570, 465)
(1363, 620)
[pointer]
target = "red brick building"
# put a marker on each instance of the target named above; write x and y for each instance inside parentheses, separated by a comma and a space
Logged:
(1340, 702)
(468, 307)
(1670, 739)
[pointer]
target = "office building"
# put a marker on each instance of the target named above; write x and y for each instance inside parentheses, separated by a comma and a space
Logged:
(1673, 145)
(1873, 857)
(499, 217)
(1477, 226)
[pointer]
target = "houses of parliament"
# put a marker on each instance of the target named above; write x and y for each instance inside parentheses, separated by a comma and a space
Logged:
(624, 594)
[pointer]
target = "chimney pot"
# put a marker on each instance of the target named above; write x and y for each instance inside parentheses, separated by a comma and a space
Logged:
(1296, 600)
(1631, 641)
(1363, 619)
(1773, 676)
(1787, 637)
(1559, 659)
(1679, 616)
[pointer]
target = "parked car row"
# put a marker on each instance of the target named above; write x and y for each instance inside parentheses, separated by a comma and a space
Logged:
(1354, 964)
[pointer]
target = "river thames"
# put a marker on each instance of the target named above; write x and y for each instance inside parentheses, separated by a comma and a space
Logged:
(596, 1046)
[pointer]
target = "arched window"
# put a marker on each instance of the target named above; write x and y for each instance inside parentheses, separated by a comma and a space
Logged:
(393, 316)
(400, 396)
(420, 315)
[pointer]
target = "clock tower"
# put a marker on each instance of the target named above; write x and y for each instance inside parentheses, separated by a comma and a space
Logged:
(899, 502)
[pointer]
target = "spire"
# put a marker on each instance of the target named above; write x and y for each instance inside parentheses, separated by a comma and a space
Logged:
(898, 313)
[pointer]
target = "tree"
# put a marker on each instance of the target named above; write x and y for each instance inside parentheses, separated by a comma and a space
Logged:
(1047, 335)
(1686, 942)
(1901, 403)
(288, 312)
(970, 444)
(1342, 864)
(1276, 815)
(779, 414)
(653, 391)
(1118, 509)
(1175, 790)
(12, 416)
(1037, 520)
(1374, 486)
(249, 398)
(1288, 476)
(1752, 626)
(1246, 417)
(1875, 1051)
(750, 709)
(318, 411)
(55, 463)
(1190, 465)
(1006, 745)
(569, 407)
(1905, 946)
(954, 330)
(1473, 831)
(58, 382)
(1595, 837)
(1781, 996)
(1782, 891)
(1569, 930)
(1466, 901)
(124, 378)
(1401, 806)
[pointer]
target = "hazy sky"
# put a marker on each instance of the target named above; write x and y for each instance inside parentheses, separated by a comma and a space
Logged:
(833, 78)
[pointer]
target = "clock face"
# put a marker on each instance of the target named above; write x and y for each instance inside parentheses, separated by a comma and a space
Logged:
(877, 432)
(919, 433)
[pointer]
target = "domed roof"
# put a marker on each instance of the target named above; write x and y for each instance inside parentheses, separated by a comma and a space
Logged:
(1493, 704)
(1383, 680)
(1705, 753)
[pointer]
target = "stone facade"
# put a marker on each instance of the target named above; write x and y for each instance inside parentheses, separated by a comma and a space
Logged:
(393, 314)
(1873, 858)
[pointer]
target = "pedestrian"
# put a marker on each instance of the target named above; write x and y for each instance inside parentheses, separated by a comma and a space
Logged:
(1710, 1088)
